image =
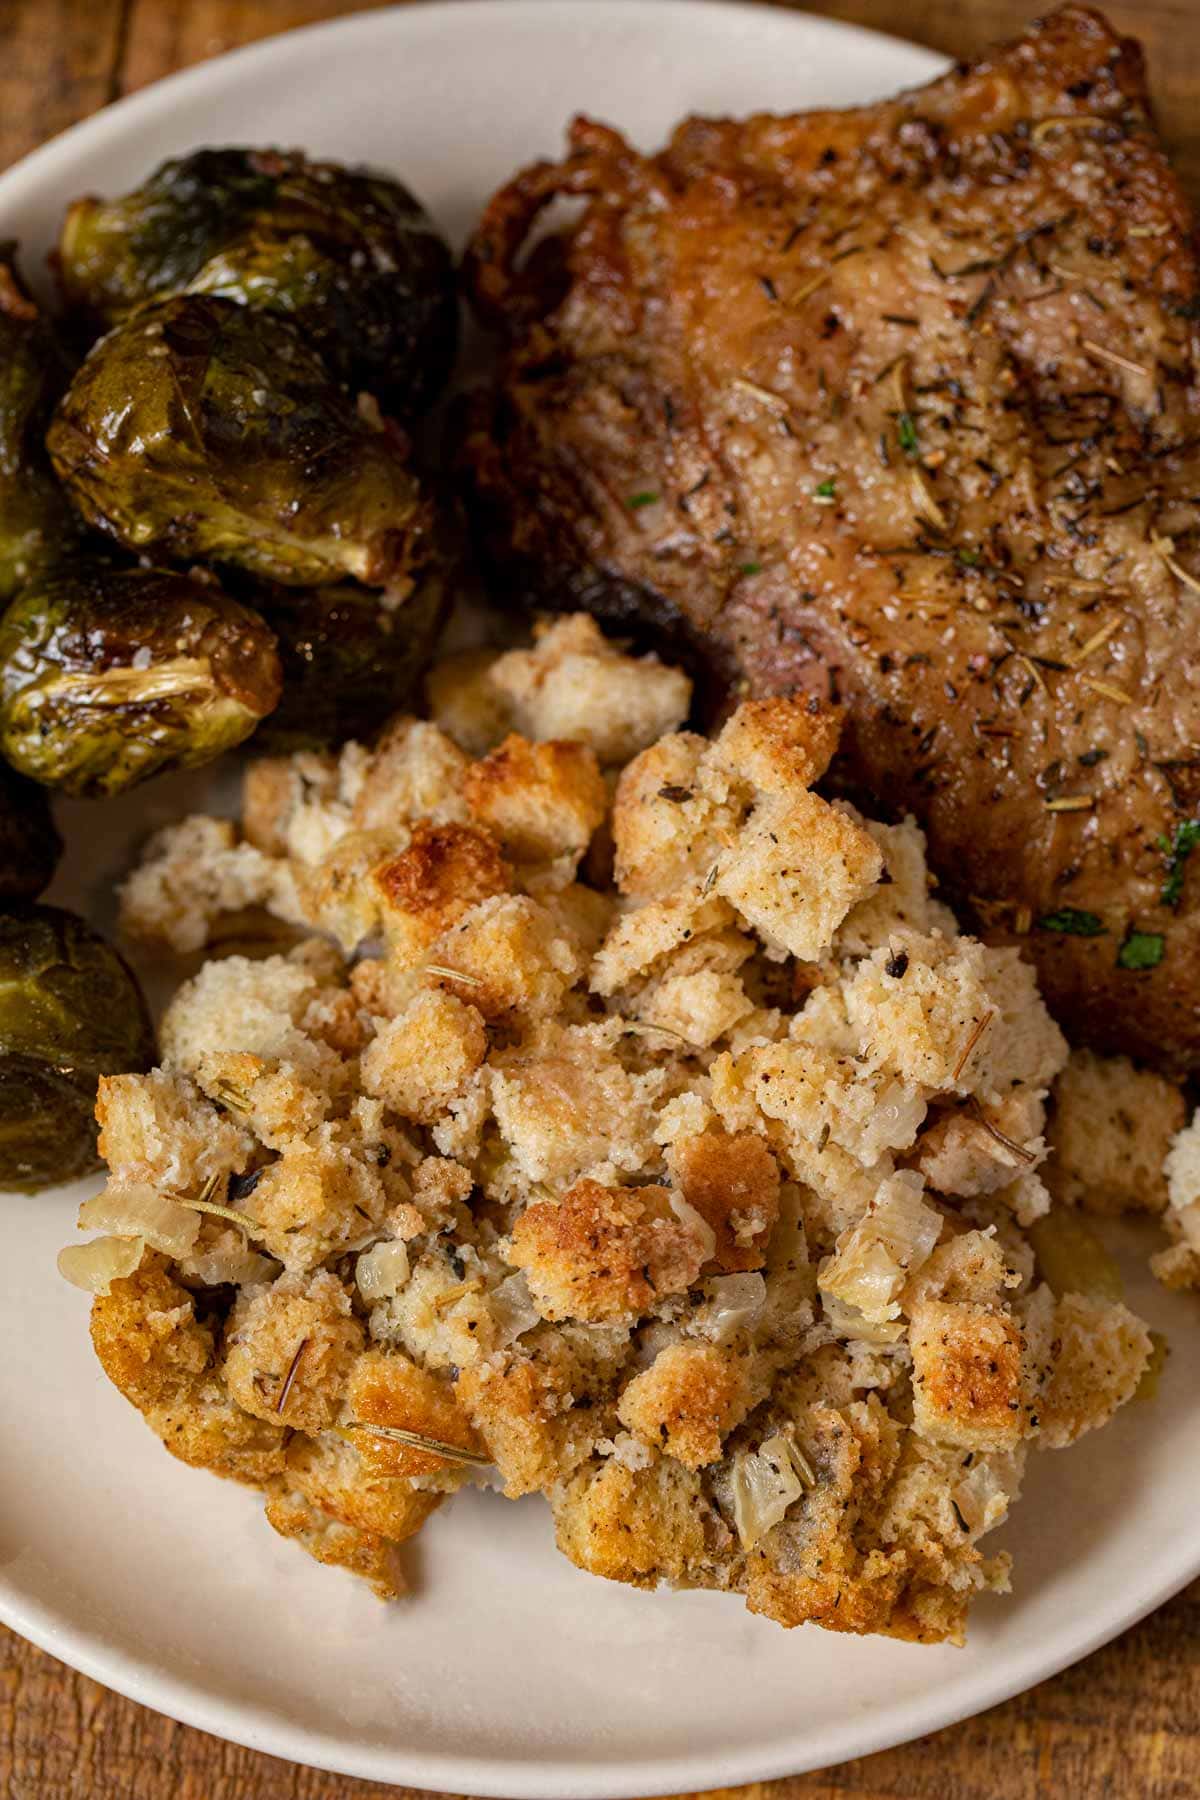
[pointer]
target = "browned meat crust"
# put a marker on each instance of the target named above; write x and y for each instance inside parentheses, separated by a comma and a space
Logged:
(900, 402)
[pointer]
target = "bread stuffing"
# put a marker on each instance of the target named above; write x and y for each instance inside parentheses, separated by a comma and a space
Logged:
(624, 1122)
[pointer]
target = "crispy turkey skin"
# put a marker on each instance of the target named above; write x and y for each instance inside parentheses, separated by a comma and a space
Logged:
(900, 404)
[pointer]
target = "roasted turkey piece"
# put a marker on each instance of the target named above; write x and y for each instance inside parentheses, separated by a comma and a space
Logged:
(900, 403)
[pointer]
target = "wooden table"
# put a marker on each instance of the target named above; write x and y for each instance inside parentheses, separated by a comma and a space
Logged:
(1125, 1724)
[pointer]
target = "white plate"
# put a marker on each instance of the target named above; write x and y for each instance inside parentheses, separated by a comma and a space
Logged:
(507, 1672)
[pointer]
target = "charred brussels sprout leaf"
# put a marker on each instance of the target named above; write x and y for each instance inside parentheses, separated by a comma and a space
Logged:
(36, 522)
(70, 1011)
(29, 844)
(349, 660)
(200, 429)
(349, 254)
(108, 675)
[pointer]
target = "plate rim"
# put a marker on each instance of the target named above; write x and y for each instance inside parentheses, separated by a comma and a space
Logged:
(894, 1724)
(499, 1778)
(154, 96)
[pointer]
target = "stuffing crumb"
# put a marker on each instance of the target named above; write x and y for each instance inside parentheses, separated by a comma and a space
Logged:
(192, 874)
(632, 1119)
(1179, 1266)
(575, 684)
(1112, 1128)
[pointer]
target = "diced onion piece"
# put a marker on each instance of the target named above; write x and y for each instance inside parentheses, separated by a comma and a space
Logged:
(765, 1483)
(874, 1258)
(864, 1277)
(94, 1266)
(904, 1221)
(231, 1266)
(985, 1492)
(512, 1309)
(1071, 1259)
(382, 1271)
(687, 1215)
(734, 1304)
(135, 1209)
(848, 1323)
(897, 1115)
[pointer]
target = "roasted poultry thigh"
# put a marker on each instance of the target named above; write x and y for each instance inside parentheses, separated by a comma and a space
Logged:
(900, 403)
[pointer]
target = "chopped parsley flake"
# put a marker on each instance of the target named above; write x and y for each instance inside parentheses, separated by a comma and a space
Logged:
(825, 490)
(969, 559)
(1177, 850)
(751, 568)
(1072, 923)
(1142, 950)
(906, 433)
(636, 501)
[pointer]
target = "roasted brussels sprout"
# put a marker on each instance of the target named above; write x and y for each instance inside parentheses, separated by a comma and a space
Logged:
(347, 253)
(29, 844)
(36, 522)
(199, 429)
(349, 660)
(70, 1011)
(108, 675)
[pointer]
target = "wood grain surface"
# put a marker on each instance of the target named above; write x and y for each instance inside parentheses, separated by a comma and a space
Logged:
(1123, 1725)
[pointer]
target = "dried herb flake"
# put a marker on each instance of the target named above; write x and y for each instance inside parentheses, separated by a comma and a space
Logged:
(1142, 950)
(1177, 850)
(1071, 922)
